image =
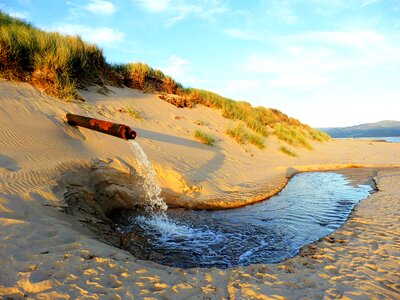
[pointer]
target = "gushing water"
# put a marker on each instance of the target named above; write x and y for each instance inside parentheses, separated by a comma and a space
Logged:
(153, 191)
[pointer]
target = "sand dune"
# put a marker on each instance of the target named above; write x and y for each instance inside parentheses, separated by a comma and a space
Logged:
(47, 254)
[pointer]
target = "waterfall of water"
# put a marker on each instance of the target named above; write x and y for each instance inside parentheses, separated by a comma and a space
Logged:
(144, 169)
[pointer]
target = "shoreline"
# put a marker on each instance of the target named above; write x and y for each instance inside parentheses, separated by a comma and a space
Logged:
(232, 201)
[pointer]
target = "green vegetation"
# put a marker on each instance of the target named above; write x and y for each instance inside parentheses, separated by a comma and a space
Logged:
(55, 63)
(204, 138)
(237, 132)
(287, 151)
(60, 64)
(292, 135)
(256, 140)
(133, 113)
(142, 77)
(319, 136)
(242, 135)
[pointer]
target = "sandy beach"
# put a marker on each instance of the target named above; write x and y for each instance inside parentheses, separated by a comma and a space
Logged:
(48, 254)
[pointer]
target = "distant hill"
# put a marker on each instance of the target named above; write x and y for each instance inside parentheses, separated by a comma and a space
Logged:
(378, 129)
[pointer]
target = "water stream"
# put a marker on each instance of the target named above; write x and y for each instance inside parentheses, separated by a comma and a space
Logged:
(311, 206)
(144, 168)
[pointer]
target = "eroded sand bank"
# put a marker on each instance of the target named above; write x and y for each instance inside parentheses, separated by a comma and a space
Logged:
(45, 253)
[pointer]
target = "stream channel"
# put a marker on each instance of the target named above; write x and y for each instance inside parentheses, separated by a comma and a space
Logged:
(311, 206)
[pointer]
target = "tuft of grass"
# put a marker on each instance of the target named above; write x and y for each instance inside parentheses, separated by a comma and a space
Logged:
(242, 135)
(287, 151)
(293, 135)
(318, 135)
(133, 113)
(204, 138)
(237, 132)
(256, 140)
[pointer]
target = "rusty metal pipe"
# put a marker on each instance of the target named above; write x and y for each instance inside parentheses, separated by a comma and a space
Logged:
(119, 130)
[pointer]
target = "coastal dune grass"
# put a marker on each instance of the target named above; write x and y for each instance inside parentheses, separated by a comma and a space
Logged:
(204, 138)
(59, 65)
(141, 76)
(287, 151)
(133, 113)
(242, 136)
(292, 135)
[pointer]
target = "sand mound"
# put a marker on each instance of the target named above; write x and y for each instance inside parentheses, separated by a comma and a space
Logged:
(101, 190)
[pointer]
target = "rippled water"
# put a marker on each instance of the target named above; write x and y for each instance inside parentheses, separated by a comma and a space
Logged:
(311, 206)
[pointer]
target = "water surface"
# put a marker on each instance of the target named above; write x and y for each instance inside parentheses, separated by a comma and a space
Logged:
(391, 139)
(311, 206)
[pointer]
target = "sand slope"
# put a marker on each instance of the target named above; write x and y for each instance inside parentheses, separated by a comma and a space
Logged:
(47, 254)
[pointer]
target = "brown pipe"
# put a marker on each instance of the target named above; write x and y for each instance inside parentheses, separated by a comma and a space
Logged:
(119, 130)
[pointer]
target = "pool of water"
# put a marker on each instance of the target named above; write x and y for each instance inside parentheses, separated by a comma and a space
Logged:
(311, 206)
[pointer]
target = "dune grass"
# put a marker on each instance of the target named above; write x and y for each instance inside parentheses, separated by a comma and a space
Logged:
(293, 135)
(57, 64)
(318, 135)
(287, 151)
(238, 133)
(141, 76)
(133, 113)
(256, 140)
(204, 138)
(242, 136)
(60, 64)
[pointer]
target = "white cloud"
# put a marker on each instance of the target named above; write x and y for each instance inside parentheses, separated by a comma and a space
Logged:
(302, 82)
(16, 14)
(355, 38)
(282, 10)
(155, 5)
(98, 35)
(241, 86)
(369, 2)
(100, 7)
(176, 67)
(177, 10)
(324, 52)
(244, 35)
(320, 54)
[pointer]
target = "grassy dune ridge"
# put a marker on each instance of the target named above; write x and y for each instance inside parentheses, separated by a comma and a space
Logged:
(60, 64)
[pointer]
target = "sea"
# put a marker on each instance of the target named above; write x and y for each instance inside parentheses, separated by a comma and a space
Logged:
(391, 139)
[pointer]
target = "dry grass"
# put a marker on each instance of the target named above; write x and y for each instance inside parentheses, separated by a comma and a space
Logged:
(204, 138)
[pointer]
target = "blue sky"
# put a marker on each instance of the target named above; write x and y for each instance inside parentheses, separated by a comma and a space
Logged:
(327, 63)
